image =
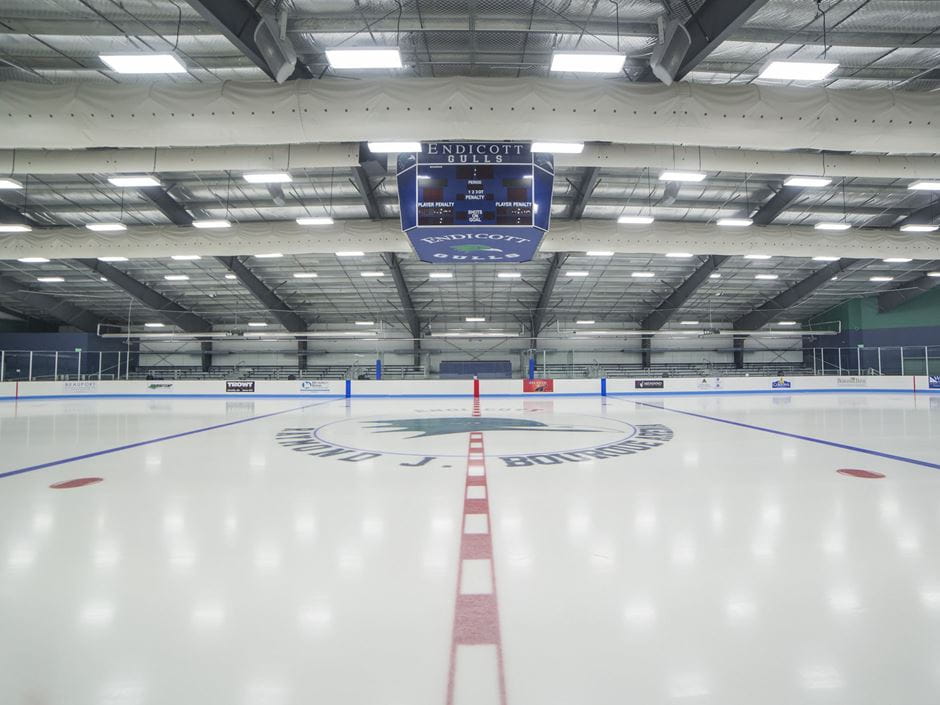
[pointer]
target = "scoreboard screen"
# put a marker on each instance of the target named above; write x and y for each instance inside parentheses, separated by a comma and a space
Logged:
(475, 194)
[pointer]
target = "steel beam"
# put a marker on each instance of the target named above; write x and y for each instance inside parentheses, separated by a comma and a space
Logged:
(545, 296)
(765, 313)
(271, 301)
(890, 300)
(408, 308)
(776, 205)
(157, 302)
(588, 183)
(658, 317)
(360, 179)
(167, 205)
(711, 24)
(238, 20)
(928, 215)
(55, 307)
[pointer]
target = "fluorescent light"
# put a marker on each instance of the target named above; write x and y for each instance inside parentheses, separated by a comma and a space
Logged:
(50, 280)
(269, 255)
(758, 256)
(509, 275)
(808, 181)
(558, 147)
(585, 323)
(441, 275)
(679, 255)
(143, 63)
(112, 259)
(315, 220)
(924, 186)
(475, 319)
(832, 226)
(10, 184)
(104, 279)
(914, 228)
(797, 70)
(715, 275)
(786, 323)
(371, 274)
(153, 325)
(15, 228)
(257, 324)
(350, 253)
(933, 274)
(106, 227)
(576, 274)
(397, 147)
(305, 275)
(230, 276)
(688, 323)
(211, 223)
(133, 181)
(185, 258)
(588, 62)
(643, 275)
(766, 277)
(365, 323)
(880, 279)
(176, 277)
(897, 260)
(32, 260)
(693, 176)
(826, 258)
(267, 177)
(599, 253)
(377, 58)
(635, 219)
(735, 222)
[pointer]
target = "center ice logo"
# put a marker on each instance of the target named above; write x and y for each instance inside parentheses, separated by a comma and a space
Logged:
(424, 427)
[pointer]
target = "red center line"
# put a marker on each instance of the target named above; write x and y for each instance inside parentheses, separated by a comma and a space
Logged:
(476, 613)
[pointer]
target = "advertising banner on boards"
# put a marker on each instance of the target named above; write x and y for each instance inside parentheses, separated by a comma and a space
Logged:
(538, 385)
(468, 202)
(240, 385)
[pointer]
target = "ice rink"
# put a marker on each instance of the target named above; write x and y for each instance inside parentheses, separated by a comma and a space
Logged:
(566, 551)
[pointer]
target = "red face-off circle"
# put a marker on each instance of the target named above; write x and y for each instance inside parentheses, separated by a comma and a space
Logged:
(77, 482)
(865, 474)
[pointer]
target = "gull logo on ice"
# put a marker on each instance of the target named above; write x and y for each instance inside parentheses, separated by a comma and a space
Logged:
(422, 428)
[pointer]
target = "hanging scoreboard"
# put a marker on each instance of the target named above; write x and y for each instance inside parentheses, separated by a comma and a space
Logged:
(467, 202)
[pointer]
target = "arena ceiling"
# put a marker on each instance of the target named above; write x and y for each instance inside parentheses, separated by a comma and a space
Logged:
(879, 44)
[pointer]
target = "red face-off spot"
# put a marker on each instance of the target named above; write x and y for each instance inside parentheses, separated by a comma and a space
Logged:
(866, 474)
(77, 482)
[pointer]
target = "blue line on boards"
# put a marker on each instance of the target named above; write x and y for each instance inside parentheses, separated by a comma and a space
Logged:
(128, 446)
(797, 436)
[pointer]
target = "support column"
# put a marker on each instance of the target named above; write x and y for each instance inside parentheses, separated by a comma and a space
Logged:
(302, 354)
(646, 355)
(206, 347)
(739, 353)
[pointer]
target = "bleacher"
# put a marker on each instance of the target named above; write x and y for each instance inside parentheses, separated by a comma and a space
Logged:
(632, 370)
(278, 372)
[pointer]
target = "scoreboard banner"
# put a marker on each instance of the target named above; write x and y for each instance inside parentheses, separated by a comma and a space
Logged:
(468, 202)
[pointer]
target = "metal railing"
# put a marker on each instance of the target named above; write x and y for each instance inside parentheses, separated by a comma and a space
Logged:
(881, 360)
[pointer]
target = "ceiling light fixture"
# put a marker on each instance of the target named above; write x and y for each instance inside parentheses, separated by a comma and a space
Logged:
(230, 276)
(50, 280)
(933, 274)
(924, 186)
(7, 184)
(372, 274)
(897, 260)
(257, 324)
(509, 275)
(154, 325)
(15, 228)
(33, 260)
(679, 255)
(139, 181)
(587, 322)
(210, 223)
(176, 277)
(688, 323)
(715, 275)
(690, 176)
(807, 181)
(919, 228)
(315, 220)
(394, 147)
(576, 273)
(268, 177)
(441, 275)
(558, 147)
(797, 70)
(599, 253)
(643, 275)
(880, 279)
(760, 257)
(635, 219)
(186, 258)
(106, 227)
(475, 319)
(305, 275)
(368, 58)
(588, 62)
(269, 255)
(365, 323)
(735, 222)
(826, 258)
(832, 226)
(143, 63)
(786, 323)
(112, 259)
(350, 253)
(766, 277)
